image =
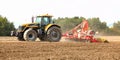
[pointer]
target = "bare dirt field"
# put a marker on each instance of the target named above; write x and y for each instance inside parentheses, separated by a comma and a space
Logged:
(11, 49)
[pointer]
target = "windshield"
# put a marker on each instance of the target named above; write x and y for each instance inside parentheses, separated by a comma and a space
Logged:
(38, 20)
(46, 20)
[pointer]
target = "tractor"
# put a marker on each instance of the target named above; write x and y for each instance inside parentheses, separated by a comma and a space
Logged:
(42, 27)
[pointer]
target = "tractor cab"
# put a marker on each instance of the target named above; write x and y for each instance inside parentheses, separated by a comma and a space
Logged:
(44, 20)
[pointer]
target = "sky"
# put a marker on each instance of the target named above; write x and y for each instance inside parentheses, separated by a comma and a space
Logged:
(21, 11)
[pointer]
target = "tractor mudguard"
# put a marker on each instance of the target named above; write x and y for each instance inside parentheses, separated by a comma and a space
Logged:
(50, 25)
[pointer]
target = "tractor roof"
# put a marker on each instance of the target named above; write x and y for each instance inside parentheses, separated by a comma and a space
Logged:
(46, 15)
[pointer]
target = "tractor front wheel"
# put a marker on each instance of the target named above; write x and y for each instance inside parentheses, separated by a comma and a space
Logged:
(30, 35)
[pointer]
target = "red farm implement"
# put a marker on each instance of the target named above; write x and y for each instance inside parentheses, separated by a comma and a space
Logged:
(82, 33)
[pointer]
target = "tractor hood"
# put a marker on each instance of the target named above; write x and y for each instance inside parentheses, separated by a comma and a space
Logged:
(23, 27)
(30, 25)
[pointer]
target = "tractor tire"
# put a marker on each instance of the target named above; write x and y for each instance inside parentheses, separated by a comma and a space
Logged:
(20, 37)
(53, 34)
(30, 35)
(42, 38)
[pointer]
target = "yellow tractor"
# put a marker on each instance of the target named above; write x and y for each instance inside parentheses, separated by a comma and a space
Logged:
(43, 28)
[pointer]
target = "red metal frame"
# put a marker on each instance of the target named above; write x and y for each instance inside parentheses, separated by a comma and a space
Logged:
(83, 34)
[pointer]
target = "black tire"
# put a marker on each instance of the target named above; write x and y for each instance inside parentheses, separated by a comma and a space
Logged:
(53, 34)
(42, 38)
(20, 37)
(30, 35)
(41, 35)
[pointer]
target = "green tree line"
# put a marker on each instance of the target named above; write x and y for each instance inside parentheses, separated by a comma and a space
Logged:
(94, 24)
(5, 26)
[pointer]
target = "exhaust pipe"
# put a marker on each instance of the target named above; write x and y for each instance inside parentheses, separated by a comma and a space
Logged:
(32, 19)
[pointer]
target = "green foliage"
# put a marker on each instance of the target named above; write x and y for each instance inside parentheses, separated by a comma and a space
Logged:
(5, 26)
(94, 24)
(116, 27)
(97, 25)
(68, 23)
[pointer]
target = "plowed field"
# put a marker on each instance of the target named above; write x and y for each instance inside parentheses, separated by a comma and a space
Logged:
(11, 49)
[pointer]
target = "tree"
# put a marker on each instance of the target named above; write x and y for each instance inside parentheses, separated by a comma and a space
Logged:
(117, 25)
(5, 26)
(95, 24)
(68, 23)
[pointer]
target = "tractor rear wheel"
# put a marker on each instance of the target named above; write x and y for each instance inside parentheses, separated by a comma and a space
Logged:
(30, 35)
(54, 34)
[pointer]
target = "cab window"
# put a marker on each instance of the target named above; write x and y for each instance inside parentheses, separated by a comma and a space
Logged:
(46, 20)
(38, 20)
